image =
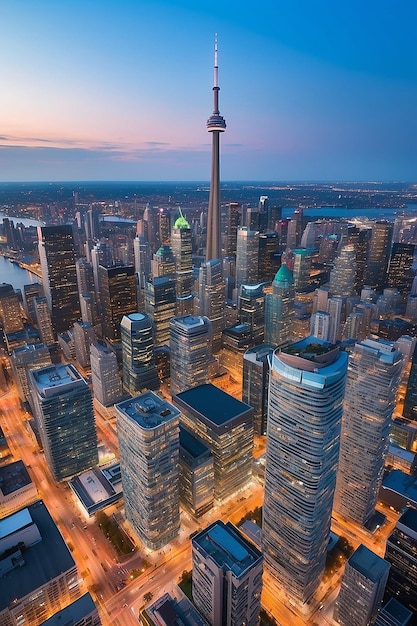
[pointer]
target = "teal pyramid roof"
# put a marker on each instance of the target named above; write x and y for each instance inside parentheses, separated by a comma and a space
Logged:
(284, 275)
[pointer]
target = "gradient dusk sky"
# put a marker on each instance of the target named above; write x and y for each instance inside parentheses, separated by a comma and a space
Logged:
(121, 90)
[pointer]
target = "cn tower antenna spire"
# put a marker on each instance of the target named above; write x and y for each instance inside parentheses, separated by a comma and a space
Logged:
(215, 125)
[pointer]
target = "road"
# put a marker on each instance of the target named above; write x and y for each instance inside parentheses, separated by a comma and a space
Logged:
(118, 594)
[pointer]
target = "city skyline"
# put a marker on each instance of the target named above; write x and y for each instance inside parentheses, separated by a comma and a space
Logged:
(122, 92)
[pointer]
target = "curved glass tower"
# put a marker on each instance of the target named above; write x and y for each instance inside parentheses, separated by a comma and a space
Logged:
(306, 389)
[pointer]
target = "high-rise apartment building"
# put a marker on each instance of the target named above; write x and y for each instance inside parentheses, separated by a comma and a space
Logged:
(10, 312)
(84, 336)
(160, 305)
(230, 225)
(251, 310)
(301, 270)
(117, 296)
(269, 257)
(378, 255)
(400, 273)
(306, 389)
(163, 262)
(227, 432)
(142, 254)
(139, 369)
(343, 274)
(362, 588)
(401, 553)
(64, 415)
(210, 299)
(30, 292)
(148, 432)
(247, 256)
(190, 340)
(182, 248)
(57, 259)
(372, 381)
(321, 325)
(24, 359)
(43, 321)
(255, 383)
(410, 400)
(107, 386)
(279, 308)
(227, 576)
(196, 473)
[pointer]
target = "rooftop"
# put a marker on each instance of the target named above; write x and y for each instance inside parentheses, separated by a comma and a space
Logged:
(43, 561)
(409, 519)
(13, 477)
(73, 613)
(368, 563)
(54, 379)
(213, 403)
(397, 611)
(227, 547)
(191, 444)
(403, 484)
(148, 410)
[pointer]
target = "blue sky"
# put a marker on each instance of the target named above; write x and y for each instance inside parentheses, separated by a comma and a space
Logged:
(121, 90)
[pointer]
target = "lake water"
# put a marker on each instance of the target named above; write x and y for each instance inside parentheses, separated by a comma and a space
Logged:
(14, 275)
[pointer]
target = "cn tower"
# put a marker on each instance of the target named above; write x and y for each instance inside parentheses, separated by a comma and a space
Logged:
(215, 125)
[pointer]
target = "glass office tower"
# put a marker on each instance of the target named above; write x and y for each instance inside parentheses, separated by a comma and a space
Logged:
(190, 352)
(148, 432)
(64, 414)
(139, 369)
(59, 276)
(306, 388)
(372, 381)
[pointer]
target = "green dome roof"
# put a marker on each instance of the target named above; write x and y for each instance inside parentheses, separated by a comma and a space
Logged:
(284, 275)
(181, 222)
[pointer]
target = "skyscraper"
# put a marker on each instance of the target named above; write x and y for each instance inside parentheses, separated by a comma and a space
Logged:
(400, 274)
(160, 305)
(210, 299)
(279, 308)
(372, 381)
(378, 254)
(227, 576)
(148, 432)
(269, 257)
(228, 433)
(10, 312)
(343, 274)
(139, 370)
(84, 336)
(302, 266)
(64, 414)
(247, 257)
(306, 388)
(43, 321)
(255, 383)
(215, 125)
(251, 310)
(182, 249)
(362, 588)
(410, 400)
(107, 386)
(57, 259)
(117, 296)
(190, 352)
(401, 553)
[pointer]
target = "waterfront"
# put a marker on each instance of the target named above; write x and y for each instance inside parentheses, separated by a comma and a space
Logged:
(14, 275)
